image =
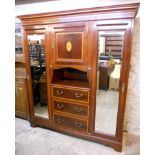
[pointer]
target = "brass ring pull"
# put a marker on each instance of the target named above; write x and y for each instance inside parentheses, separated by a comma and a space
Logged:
(59, 92)
(78, 125)
(60, 106)
(60, 120)
(78, 109)
(78, 95)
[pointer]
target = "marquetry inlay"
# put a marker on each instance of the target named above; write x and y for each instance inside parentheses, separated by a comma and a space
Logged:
(69, 46)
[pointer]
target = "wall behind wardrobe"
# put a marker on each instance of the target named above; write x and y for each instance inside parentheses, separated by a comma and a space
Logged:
(132, 113)
(132, 120)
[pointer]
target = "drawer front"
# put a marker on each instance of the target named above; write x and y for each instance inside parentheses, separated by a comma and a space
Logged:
(70, 123)
(19, 82)
(71, 94)
(71, 108)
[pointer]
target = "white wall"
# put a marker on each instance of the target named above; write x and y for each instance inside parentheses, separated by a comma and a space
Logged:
(132, 114)
(64, 5)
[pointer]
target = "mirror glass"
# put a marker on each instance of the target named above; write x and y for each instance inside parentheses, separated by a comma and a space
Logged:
(18, 39)
(110, 48)
(38, 73)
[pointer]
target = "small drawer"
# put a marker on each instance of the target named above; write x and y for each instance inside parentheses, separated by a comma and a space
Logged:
(70, 123)
(71, 108)
(71, 94)
(19, 82)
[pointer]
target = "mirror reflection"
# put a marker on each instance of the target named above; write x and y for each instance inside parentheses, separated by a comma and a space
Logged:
(38, 73)
(110, 48)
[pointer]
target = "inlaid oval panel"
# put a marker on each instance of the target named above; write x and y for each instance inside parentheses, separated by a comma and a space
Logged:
(68, 46)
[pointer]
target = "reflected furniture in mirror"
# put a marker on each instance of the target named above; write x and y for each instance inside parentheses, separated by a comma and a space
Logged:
(38, 73)
(110, 51)
(77, 64)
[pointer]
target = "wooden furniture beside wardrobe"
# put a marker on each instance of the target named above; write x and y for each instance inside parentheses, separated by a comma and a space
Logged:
(70, 41)
(21, 91)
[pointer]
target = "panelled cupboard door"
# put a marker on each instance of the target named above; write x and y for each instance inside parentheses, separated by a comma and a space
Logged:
(21, 105)
(112, 53)
(69, 43)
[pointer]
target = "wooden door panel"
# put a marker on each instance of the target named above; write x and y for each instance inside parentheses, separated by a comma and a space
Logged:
(21, 105)
(69, 46)
(69, 43)
(110, 30)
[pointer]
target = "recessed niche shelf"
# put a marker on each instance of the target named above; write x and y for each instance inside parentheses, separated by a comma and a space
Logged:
(70, 77)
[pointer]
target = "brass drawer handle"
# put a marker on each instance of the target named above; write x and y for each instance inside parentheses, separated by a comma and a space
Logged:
(60, 120)
(78, 109)
(77, 95)
(60, 106)
(78, 125)
(59, 92)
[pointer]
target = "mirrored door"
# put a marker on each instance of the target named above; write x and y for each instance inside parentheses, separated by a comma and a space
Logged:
(37, 60)
(110, 50)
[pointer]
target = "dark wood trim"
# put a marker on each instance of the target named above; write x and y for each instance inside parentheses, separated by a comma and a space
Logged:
(124, 79)
(124, 7)
(28, 73)
(42, 122)
(48, 72)
(88, 14)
